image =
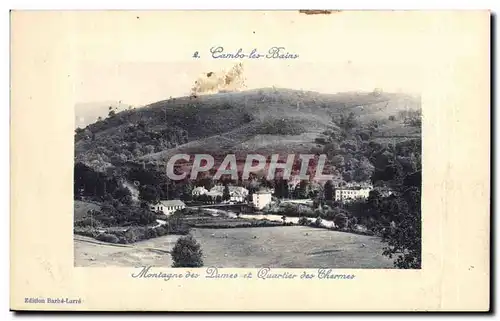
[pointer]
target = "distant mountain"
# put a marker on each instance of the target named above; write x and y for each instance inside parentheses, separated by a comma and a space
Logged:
(262, 121)
(88, 113)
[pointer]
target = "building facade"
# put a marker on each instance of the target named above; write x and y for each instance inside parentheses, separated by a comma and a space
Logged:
(168, 207)
(199, 190)
(261, 198)
(347, 194)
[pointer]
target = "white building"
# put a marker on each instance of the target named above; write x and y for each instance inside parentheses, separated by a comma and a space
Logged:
(199, 190)
(237, 194)
(346, 194)
(261, 198)
(168, 207)
(309, 201)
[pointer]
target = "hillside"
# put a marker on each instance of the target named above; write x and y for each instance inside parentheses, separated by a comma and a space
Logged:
(88, 113)
(255, 121)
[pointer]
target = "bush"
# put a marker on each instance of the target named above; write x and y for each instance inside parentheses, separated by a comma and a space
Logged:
(341, 220)
(162, 217)
(105, 237)
(303, 221)
(86, 231)
(151, 233)
(187, 253)
(88, 222)
(135, 234)
(161, 231)
(305, 210)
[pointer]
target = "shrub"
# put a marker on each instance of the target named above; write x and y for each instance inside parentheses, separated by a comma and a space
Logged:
(162, 217)
(187, 253)
(135, 234)
(303, 221)
(340, 220)
(88, 222)
(151, 233)
(86, 231)
(305, 210)
(161, 231)
(105, 237)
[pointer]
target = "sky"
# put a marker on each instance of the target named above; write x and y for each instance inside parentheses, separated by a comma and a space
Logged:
(140, 83)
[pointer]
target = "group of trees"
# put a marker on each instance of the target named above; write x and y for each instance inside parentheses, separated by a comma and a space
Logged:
(115, 213)
(354, 152)
(92, 184)
(356, 156)
(126, 139)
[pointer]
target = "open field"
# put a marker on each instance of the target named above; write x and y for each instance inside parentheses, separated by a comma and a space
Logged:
(290, 247)
(89, 252)
(285, 247)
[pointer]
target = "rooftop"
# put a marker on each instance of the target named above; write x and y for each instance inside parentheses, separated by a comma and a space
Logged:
(172, 203)
(353, 188)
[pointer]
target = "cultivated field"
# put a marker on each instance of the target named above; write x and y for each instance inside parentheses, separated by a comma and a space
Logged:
(285, 247)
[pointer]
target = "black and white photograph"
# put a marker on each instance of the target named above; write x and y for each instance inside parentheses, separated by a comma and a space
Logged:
(250, 161)
(224, 173)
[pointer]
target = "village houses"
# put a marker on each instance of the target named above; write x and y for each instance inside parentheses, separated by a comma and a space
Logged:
(237, 194)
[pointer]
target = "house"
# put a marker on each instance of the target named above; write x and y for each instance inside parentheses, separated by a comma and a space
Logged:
(199, 190)
(261, 198)
(237, 194)
(168, 207)
(384, 191)
(346, 194)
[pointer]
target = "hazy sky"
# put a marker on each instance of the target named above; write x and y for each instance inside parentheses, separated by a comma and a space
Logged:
(145, 82)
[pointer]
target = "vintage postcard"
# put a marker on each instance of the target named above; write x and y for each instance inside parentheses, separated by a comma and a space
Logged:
(312, 160)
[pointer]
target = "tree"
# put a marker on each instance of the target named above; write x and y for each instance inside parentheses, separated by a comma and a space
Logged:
(363, 171)
(317, 222)
(226, 196)
(186, 192)
(341, 220)
(303, 221)
(301, 190)
(187, 253)
(338, 161)
(328, 191)
(347, 176)
(149, 194)
(121, 192)
(405, 239)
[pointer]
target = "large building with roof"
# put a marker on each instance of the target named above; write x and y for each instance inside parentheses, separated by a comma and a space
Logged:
(168, 207)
